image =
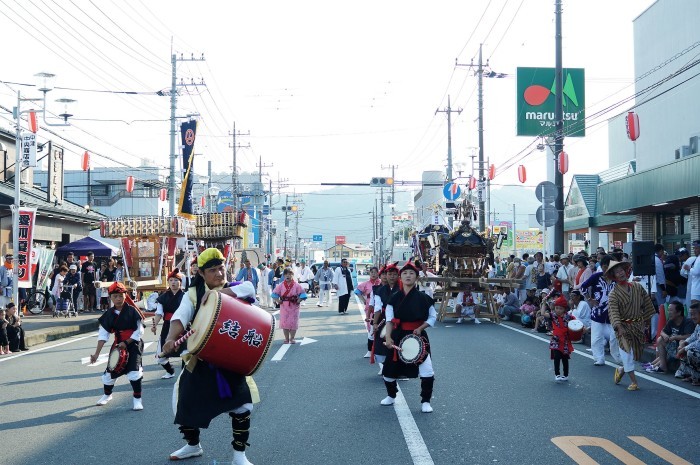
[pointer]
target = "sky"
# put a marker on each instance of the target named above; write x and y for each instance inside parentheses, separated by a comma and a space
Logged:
(329, 92)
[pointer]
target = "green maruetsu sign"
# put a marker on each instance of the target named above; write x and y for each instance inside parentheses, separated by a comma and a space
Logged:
(535, 99)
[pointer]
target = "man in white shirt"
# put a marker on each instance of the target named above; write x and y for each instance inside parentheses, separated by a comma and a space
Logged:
(428, 287)
(564, 275)
(693, 271)
(304, 276)
(265, 298)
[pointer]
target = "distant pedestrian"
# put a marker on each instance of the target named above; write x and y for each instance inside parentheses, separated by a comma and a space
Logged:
(324, 277)
(289, 294)
(265, 291)
(342, 282)
(6, 272)
(248, 273)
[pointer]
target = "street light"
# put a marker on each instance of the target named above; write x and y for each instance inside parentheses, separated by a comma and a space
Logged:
(45, 85)
(213, 193)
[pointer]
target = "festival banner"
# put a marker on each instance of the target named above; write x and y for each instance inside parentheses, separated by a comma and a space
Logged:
(24, 247)
(45, 267)
(188, 131)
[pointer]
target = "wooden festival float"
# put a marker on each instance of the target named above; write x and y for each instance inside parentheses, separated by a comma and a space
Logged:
(464, 257)
(223, 231)
(149, 246)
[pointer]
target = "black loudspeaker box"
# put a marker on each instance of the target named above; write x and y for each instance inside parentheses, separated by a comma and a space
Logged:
(643, 258)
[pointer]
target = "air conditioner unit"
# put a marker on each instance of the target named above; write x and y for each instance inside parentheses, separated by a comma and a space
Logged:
(694, 142)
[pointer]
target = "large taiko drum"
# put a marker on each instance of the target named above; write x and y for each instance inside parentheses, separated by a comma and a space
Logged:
(232, 334)
(575, 330)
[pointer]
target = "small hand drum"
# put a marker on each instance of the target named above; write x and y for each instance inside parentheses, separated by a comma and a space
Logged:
(575, 330)
(414, 349)
(118, 358)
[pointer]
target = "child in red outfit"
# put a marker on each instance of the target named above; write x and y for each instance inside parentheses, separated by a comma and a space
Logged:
(560, 345)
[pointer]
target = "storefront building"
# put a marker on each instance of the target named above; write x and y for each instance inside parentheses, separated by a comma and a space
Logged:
(657, 198)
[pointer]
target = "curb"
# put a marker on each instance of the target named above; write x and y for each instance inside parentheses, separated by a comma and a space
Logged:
(52, 334)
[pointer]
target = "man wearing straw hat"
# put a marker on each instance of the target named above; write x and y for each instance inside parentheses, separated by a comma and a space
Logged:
(629, 307)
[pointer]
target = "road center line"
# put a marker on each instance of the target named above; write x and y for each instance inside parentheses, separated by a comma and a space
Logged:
(411, 433)
(610, 364)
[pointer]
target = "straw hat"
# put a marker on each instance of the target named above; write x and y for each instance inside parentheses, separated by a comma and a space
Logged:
(611, 267)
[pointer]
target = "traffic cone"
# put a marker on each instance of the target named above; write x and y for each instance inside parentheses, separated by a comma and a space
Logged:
(661, 323)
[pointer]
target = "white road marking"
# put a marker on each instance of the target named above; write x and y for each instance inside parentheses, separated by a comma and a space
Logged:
(414, 440)
(307, 340)
(147, 345)
(280, 353)
(100, 360)
(29, 352)
(275, 313)
(610, 364)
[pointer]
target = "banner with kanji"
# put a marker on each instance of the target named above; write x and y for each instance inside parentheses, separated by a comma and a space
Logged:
(45, 267)
(188, 131)
(24, 246)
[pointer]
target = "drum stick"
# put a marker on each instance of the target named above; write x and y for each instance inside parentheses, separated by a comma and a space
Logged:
(182, 339)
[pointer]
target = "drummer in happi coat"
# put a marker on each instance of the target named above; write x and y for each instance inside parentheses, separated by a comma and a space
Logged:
(289, 294)
(204, 391)
(126, 322)
(408, 313)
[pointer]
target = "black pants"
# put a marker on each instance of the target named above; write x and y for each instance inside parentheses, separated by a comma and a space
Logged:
(558, 356)
(343, 301)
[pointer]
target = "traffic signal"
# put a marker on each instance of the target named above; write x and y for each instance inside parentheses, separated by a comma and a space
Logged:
(381, 182)
(290, 208)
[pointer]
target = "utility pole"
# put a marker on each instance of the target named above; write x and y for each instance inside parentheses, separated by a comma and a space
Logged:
(559, 130)
(449, 112)
(286, 223)
(260, 204)
(234, 172)
(174, 59)
(381, 225)
(515, 242)
(392, 203)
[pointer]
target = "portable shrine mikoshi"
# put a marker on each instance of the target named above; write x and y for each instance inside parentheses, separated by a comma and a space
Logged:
(149, 245)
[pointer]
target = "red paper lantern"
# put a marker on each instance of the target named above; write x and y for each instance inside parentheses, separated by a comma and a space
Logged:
(85, 161)
(163, 196)
(632, 125)
(522, 174)
(130, 184)
(563, 162)
(33, 122)
(472, 183)
(492, 172)
(203, 202)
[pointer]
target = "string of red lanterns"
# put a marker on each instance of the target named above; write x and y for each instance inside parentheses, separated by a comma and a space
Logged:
(85, 161)
(130, 184)
(522, 174)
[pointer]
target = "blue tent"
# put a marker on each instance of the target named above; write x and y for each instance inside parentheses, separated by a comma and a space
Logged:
(88, 244)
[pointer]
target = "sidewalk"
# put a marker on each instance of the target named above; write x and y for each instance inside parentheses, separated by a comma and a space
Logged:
(43, 328)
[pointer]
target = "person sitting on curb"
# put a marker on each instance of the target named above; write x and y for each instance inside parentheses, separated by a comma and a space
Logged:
(582, 311)
(677, 329)
(510, 305)
(689, 350)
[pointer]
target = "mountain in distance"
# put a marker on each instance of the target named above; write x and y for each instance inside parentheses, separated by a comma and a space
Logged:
(348, 210)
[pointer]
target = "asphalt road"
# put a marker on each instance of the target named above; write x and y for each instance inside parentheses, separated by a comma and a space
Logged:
(495, 401)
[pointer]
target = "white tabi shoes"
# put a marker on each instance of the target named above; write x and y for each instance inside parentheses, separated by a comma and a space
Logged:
(138, 404)
(239, 458)
(187, 451)
(104, 399)
(381, 367)
(368, 354)
(426, 407)
(388, 401)
(167, 376)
